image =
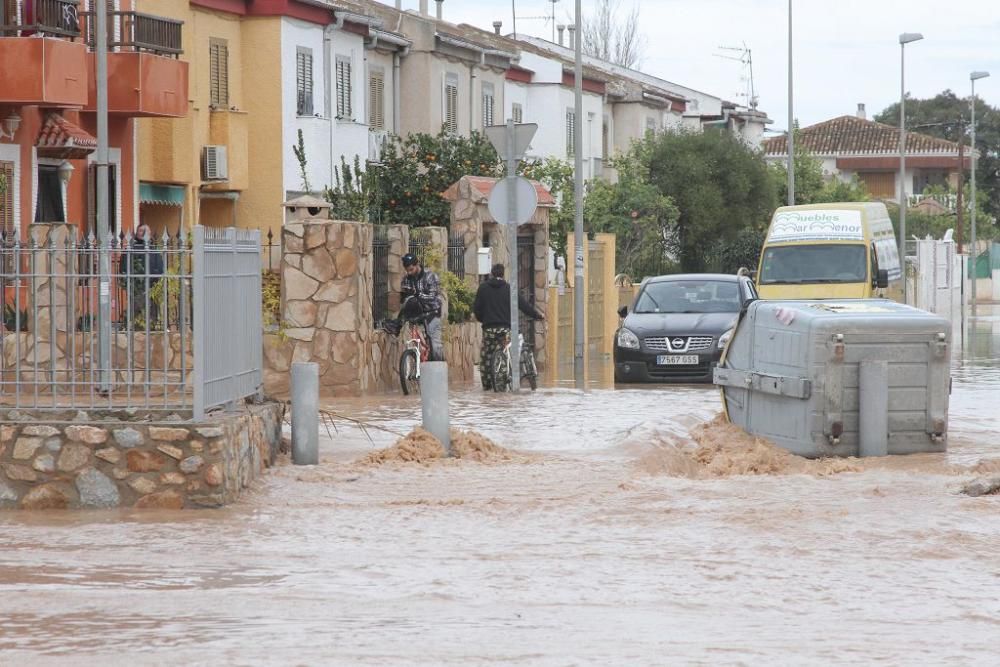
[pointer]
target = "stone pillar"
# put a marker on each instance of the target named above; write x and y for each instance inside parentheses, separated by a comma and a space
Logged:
(467, 225)
(399, 245)
(52, 285)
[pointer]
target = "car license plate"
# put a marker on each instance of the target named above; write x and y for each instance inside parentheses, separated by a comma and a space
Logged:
(677, 360)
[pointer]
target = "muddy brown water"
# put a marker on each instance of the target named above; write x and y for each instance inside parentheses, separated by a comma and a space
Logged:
(594, 545)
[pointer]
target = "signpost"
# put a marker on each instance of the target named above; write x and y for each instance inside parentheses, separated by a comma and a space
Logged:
(512, 203)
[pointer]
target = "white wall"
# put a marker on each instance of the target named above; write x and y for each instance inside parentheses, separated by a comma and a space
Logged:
(515, 92)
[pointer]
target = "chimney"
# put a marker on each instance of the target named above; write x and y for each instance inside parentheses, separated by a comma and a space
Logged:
(496, 26)
(440, 8)
(399, 5)
(861, 111)
(423, 7)
(572, 36)
(561, 28)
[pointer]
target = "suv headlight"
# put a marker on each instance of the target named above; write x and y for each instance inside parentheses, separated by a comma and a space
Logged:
(628, 340)
(724, 338)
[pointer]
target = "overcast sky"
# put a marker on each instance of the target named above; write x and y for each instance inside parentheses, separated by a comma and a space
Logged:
(846, 51)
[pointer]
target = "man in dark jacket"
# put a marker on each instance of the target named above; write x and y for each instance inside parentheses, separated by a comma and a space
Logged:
(492, 309)
(425, 288)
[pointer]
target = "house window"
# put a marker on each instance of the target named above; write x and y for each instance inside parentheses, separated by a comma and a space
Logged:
(92, 199)
(570, 132)
(451, 104)
(376, 100)
(517, 113)
(49, 205)
(650, 124)
(488, 103)
(344, 108)
(304, 81)
(218, 61)
(7, 198)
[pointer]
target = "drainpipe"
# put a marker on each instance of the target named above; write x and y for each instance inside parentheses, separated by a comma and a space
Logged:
(328, 86)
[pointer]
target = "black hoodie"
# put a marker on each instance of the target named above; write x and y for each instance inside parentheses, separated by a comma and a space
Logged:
(492, 305)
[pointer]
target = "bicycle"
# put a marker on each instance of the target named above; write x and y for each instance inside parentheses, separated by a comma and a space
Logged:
(500, 366)
(417, 349)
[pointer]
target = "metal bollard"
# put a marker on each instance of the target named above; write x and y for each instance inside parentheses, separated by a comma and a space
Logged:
(305, 414)
(873, 398)
(434, 401)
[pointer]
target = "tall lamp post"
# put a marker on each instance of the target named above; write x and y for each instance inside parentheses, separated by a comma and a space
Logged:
(904, 39)
(791, 117)
(973, 77)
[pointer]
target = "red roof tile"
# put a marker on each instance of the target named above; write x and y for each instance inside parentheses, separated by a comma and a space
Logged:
(59, 133)
(850, 135)
(484, 186)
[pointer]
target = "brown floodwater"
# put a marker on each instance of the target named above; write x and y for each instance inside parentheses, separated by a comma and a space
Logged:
(596, 544)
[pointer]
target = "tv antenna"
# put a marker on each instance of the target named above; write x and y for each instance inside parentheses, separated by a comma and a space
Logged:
(551, 17)
(745, 57)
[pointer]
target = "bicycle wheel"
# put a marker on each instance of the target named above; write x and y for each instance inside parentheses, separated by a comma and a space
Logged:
(408, 380)
(530, 370)
(500, 367)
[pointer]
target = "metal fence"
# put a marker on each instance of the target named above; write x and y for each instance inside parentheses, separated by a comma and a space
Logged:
(159, 347)
(456, 256)
(380, 273)
(228, 343)
(419, 246)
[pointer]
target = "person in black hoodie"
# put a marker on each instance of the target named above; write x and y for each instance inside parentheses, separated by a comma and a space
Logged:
(492, 309)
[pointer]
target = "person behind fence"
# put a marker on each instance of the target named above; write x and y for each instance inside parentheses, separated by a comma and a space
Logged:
(492, 309)
(133, 277)
(425, 288)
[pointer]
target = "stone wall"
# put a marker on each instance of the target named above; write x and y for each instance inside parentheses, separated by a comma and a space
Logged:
(133, 459)
(462, 343)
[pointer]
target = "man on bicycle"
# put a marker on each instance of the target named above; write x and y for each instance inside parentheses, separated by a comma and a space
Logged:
(425, 287)
(492, 309)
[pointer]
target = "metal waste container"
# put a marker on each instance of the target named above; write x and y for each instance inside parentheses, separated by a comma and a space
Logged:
(839, 377)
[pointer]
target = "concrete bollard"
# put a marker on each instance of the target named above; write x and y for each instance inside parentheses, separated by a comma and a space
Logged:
(434, 401)
(873, 399)
(305, 414)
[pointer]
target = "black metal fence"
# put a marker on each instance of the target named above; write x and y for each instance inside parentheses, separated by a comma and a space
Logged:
(380, 273)
(526, 283)
(419, 246)
(270, 251)
(456, 256)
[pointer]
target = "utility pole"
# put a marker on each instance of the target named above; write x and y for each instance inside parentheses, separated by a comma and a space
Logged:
(103, 232)
(579, 285)
(791, 117)
(961, 175)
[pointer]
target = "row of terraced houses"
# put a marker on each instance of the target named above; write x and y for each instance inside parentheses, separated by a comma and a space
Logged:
(207, 98)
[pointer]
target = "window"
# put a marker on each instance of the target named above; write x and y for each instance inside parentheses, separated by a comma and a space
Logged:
(49, 205)
(488, 103)
(7, 198)
(304, 82)
(92, 199)
(218, 60)
(814, 264)
(517, 113)
(570, 132)
(650, 124)
(451, 104)
(689, 296)
(344, 107)
(376, 100)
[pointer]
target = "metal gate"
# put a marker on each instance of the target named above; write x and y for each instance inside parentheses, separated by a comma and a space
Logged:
(380, 273)
(595, 296)
(526, 283)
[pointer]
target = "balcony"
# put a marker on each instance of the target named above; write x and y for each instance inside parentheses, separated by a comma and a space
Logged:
(145, 75)
(51, 71)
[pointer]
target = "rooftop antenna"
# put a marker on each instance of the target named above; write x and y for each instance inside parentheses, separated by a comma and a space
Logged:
(746, 58)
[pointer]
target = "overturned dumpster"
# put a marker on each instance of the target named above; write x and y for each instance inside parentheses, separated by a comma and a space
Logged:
(839, 377)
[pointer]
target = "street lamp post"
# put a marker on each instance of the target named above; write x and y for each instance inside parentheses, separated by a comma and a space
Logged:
(791, 117)
(972, 182)
(904, 39)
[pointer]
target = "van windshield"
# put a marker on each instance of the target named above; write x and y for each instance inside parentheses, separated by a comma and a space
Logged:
(802, 264)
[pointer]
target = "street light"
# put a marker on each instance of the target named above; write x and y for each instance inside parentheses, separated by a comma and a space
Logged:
(972, 103)
(791, 120)
(904, 39)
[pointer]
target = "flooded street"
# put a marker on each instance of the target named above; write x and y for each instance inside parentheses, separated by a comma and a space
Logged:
(588, 548)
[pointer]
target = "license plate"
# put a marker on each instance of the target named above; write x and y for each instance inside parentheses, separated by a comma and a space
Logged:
(677, 360)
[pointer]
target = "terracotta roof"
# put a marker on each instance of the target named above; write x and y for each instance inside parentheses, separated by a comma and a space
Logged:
(483, 186)
(61, 138)
(850, 135)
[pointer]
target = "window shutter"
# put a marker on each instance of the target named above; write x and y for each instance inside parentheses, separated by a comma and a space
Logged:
(570, 133)
(344, 88)
(451, 104)
(218, 57)
(488, 103)
(517, 112)
(376, 101)
(7, 198)
(304, 82)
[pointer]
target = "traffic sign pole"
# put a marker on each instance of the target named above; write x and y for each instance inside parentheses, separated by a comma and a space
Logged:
(515, 320)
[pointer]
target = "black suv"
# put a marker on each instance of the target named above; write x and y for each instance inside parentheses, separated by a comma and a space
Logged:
(679, 326)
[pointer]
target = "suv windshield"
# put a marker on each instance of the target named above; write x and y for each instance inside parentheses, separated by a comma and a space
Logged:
(798, 264)
(689, 296)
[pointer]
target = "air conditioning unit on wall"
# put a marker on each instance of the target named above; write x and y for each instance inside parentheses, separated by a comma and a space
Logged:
(214, 163)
